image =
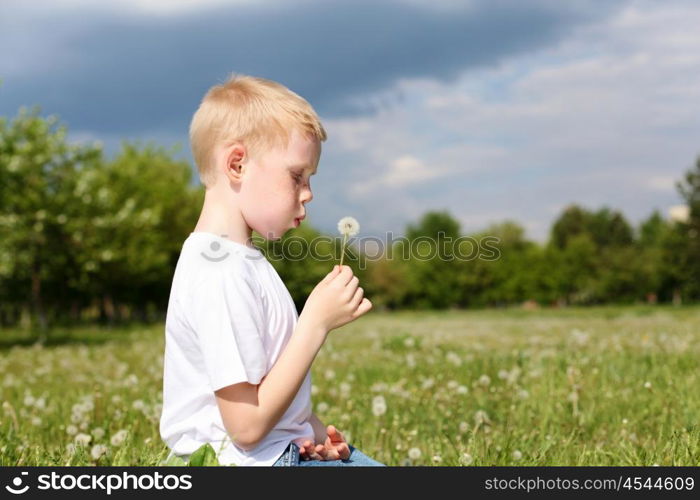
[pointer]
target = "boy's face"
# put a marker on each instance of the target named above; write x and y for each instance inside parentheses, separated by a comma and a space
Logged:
(275, 186)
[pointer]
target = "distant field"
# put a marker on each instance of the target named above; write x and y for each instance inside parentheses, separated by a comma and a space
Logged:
(595, 386)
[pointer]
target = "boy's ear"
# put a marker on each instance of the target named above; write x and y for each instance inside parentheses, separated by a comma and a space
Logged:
(234, 160)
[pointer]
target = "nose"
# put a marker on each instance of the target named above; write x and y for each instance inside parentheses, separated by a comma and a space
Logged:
(307, 196)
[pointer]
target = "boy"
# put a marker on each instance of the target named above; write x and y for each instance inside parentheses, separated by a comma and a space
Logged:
(237, 366)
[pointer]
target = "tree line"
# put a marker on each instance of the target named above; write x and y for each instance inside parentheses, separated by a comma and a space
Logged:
(84, 238)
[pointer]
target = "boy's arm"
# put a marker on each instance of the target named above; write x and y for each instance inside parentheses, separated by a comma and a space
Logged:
(319, 429)
(249, 412)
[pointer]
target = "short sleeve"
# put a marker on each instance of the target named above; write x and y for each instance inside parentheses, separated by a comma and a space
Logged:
(228, 321)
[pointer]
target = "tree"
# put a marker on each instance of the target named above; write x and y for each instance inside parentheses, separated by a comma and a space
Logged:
(689, 231)
(38, 173)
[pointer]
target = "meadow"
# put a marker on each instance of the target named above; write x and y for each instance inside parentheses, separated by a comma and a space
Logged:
(573, 386)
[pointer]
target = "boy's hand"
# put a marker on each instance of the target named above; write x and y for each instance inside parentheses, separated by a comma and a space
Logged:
(335, 447)
(336, 300)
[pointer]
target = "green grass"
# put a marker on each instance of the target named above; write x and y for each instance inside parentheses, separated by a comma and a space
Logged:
(575, 386)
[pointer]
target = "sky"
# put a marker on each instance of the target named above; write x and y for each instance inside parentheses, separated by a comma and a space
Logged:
(490, 110)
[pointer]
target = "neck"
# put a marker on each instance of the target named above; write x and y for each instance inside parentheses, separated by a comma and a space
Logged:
(221, 215)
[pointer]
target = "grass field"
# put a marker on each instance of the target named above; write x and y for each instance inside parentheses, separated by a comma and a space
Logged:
(596, 386)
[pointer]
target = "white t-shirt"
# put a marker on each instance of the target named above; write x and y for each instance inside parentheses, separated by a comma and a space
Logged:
(229, 318)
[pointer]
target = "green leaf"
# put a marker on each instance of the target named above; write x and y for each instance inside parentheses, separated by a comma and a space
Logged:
(204, 456)
(173, 461)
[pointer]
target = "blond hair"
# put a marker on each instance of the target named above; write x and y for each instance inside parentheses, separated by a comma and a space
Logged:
(257, 112)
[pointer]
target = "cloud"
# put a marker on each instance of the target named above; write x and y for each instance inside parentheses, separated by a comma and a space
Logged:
(105, 68)
(491, 110)
(608, 116)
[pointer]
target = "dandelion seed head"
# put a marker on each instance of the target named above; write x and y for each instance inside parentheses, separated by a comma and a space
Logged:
(414, 453)
(118, 437)
(466, 459)
(517, 455)
(97, 451)
(348, 226)
(82, 439)
(481, 417)
(378, 406)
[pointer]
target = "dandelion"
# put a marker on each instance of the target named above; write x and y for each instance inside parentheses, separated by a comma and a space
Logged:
(72, 430)
(322, 407)
(410, 360)
(378, 406)
(347, 226)
(503, 374)
(454, 358)
(118, 438)
(484, 380)
(138, 405)
(523, 394)
(437, 458)
(463, 427)
(414, 453)
(97, 451)
(36, 421)
(517, 455)
(481, 417)
(98, 433)
(647, 385)
(330, 374)
(462, 389)
(428, 383)
(82, 439)
(466, 459)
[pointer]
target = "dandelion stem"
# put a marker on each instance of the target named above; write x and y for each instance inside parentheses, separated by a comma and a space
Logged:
(342, 253)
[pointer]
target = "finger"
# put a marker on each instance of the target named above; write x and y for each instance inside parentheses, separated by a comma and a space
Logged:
(357, 298)
(351, 287)
(364, 306)
(334, 434)
(345, 275)
(344, 451)
(306, 451)
(331, 275)
(322, 452)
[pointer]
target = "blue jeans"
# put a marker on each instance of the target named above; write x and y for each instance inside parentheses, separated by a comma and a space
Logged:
(291, 458)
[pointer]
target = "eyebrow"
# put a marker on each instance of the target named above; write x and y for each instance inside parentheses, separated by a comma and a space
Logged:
(305, 167)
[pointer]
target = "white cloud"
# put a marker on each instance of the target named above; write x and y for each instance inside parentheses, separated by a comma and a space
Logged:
(607, 117)
(165, 7)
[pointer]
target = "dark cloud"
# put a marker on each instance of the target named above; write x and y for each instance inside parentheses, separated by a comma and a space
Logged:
(121, 74)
